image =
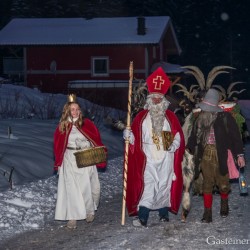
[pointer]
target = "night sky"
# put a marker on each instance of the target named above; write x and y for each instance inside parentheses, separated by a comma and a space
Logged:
(210, 33)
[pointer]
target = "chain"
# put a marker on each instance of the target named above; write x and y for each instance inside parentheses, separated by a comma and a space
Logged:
(156, 140)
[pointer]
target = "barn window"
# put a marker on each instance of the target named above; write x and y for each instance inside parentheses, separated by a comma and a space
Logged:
(100, 66)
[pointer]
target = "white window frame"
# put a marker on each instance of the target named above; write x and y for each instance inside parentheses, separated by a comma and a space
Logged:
(94, 59)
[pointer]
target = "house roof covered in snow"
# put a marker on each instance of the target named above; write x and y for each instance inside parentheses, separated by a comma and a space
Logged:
(168, 67)
(81, 31)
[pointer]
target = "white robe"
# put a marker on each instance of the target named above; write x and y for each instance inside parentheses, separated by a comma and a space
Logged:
(78, 188)
(159, 171)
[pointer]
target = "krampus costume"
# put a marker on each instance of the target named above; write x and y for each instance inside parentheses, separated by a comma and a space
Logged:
(215, 136)
(154, 180)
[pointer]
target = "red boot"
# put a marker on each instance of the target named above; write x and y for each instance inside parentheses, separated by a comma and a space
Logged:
(207, 216)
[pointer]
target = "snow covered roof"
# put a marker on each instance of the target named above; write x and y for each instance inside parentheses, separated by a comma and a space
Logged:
(168, 67)
(81, 31)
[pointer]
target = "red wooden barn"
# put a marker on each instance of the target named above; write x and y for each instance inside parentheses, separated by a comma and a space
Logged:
(90, 56)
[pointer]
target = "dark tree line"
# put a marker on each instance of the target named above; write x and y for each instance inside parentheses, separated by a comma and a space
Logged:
(210, 33)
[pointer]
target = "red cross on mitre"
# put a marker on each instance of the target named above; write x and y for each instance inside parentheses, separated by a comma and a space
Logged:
(158, 82)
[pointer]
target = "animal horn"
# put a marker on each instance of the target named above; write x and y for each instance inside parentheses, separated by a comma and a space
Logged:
(214, 73)
(181, 103)
(186, 93)
(236, 92)
(231, 86)
(181, 86)
(196, 72)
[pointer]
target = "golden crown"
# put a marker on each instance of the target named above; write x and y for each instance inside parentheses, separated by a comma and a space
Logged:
(72, 98)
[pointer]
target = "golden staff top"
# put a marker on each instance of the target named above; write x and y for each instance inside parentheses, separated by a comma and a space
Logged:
(127, 143)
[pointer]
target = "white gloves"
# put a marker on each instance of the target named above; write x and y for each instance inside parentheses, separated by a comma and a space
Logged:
(128, 134)
(175, 144)
(172, 148)
(82, 143)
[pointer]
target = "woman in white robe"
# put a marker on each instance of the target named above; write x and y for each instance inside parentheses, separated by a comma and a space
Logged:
(78, 188)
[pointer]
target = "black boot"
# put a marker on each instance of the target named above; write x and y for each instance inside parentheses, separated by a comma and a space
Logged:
(143, 215)
(224, 208)
(207, 216)
(163, 214)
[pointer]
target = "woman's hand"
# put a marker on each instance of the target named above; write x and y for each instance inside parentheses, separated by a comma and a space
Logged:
(241, 161)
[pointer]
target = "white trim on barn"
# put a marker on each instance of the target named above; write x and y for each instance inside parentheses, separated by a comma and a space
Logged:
(79, 84)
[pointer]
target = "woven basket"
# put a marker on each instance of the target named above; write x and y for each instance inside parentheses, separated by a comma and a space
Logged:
(89, 157)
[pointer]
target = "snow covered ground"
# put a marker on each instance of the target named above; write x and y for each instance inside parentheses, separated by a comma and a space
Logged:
(29, 205)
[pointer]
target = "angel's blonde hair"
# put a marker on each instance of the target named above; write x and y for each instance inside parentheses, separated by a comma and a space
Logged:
(64, 120)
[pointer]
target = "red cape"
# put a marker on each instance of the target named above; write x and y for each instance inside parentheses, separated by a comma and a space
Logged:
(137, 162)
(88, 129)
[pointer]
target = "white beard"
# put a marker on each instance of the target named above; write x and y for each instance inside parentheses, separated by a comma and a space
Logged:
(157, 116)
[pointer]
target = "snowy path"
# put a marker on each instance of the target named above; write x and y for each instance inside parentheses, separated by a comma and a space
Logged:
(106, 231)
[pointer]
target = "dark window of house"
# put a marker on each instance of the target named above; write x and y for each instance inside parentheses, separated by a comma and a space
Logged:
(100, 66)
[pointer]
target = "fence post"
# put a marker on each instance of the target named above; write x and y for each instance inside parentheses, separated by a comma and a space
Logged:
(9, 131)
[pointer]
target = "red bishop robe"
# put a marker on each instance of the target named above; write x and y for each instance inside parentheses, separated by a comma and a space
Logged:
(88, 129)
(137, 162)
